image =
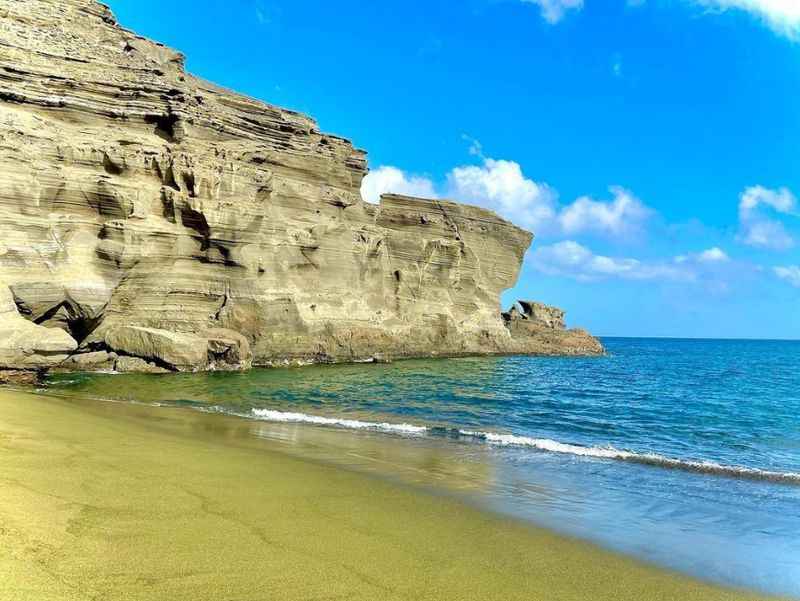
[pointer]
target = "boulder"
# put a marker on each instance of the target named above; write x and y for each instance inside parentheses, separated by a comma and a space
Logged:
(97, 361)
(172, 350)
(135, 365)
(228, 350)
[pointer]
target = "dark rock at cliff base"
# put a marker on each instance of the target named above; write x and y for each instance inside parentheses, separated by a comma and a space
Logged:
(149, 213)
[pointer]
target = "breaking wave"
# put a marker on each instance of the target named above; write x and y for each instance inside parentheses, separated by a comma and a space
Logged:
(540, 444)
(351, 424)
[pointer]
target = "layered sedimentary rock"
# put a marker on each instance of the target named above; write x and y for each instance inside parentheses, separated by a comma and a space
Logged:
(150, 220)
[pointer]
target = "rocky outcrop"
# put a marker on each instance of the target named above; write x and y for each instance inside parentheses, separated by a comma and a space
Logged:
(540, 329)
(169, 223)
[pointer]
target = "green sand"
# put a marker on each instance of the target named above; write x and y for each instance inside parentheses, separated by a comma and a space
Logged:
(112, 501)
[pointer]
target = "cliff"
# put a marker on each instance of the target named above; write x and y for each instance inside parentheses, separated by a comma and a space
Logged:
(150, 220)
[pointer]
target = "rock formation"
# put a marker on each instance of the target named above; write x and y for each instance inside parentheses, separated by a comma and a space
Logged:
(152, 221)
(543, 330)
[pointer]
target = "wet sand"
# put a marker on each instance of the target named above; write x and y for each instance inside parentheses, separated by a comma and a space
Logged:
(113, 501)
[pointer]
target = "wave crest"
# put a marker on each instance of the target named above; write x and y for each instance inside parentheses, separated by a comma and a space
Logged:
(652, 459)
(351, 424)
(541, 444)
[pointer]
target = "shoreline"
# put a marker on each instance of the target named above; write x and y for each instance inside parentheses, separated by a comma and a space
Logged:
(113, 501)
(29, 378)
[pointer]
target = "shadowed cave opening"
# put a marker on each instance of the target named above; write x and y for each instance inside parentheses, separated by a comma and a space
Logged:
(165, 125)
(111, 167)
(196, 221)
(189, 182)
(66, 315)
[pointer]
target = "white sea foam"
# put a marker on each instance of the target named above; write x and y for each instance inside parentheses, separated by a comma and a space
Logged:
(653, 459)
(541, 444)
(352, 424)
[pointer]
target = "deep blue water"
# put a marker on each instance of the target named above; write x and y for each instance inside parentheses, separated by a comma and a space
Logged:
(681, 452)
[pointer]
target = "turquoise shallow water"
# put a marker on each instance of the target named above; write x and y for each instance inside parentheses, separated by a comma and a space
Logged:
(684, 453)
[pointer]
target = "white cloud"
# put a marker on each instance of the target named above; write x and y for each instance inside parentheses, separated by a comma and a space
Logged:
(502, 187)
(391, 180)
(767, 233)
(554, 10)
(570, 259)
(758, 230)
(712, 255)
(790, 273)
(623, 216)
(781, 200)
(782, 15)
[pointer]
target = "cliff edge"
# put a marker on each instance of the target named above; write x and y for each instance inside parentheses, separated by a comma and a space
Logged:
(152, 221)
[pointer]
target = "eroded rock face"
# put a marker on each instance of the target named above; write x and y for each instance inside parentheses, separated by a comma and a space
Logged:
(150, 214)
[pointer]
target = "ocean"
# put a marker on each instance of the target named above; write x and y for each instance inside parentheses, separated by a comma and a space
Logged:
(683, 453)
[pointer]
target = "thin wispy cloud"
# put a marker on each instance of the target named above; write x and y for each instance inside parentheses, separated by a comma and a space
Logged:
(554, 11)
(790, 274)
(782, 16)
(711, 270)
(573, 260)
(265, 13)
(616, 66)
(709, 256)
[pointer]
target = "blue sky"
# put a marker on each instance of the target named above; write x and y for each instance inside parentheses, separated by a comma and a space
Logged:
(651, 145)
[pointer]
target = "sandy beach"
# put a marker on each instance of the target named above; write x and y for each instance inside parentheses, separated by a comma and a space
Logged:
(117, 501)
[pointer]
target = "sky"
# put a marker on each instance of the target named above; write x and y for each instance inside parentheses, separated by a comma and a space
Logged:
(652, 146)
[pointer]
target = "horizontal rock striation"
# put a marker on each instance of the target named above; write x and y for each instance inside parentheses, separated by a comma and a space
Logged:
(154, 221)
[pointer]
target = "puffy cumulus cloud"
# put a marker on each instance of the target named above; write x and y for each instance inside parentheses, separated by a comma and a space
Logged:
(502, 187)
(391, 180)
(790, 273)
(758, 230)
(570, 259)
(624, 215)
(554, 10)
(782, 15)
(497, 185)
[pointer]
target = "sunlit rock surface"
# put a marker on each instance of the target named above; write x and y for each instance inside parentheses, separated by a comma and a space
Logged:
(169, 224)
